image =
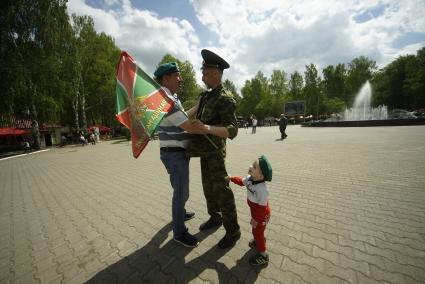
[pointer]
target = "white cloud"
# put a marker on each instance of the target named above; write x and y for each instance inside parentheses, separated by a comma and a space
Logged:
(258, 35)
(266, 35)
(104, 21)
(144, 34)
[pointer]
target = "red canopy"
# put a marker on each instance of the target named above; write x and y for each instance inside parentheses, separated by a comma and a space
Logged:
(102, 129)
(13, 131)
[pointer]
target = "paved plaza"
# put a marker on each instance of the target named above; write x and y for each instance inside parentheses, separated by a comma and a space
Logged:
(348, 206)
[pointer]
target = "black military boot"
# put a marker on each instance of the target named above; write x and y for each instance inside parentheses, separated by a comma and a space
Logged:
(228, 241)
(210, 224)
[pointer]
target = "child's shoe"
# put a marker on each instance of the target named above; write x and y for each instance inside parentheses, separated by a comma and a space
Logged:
(259, 259)
(252, 243)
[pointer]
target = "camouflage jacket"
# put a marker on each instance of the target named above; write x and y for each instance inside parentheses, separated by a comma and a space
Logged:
(217, 107)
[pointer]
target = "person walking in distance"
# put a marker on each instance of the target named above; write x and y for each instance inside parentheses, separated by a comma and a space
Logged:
(283, 122)
(254, 124)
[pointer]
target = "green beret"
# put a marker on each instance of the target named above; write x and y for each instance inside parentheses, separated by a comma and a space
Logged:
(213, 60)
(266, 168)
(166, 68)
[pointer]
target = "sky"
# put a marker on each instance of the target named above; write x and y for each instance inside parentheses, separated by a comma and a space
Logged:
(260, 35)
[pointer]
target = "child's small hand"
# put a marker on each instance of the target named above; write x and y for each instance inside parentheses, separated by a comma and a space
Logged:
(253, 223)
(236, 180)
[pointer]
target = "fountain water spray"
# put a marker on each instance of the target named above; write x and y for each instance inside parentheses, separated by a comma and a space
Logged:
(362, 109)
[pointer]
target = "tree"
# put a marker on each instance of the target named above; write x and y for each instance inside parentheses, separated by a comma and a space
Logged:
(279, 83)
(255, 91)
(312, 90)
(416, 80)
(230, 86)
(227, 84)
(360, 70)
(401, 84)
(279, 92)
(33, 36)
(296, 86)
(334, 81)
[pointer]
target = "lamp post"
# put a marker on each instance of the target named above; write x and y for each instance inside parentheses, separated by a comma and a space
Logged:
(317, 111)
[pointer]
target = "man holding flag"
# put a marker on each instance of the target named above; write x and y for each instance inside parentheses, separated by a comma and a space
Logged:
(173, 133)
(144, 106)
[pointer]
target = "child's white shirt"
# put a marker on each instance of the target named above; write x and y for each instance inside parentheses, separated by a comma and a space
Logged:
(257, 193)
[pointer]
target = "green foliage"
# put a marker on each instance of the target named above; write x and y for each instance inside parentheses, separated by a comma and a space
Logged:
(312, 92)
(33, 36)
(334, 79)
(360, 70)
(401, 84)
(51, 67)
(296, 85)
(332, 105)
(62, 71)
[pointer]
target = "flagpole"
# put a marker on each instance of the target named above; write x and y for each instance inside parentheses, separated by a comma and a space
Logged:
(205, 135)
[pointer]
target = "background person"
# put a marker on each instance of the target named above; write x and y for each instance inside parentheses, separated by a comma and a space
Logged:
(254, 124)
(283, 122)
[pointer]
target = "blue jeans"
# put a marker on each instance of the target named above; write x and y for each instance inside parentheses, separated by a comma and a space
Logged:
(177, 165)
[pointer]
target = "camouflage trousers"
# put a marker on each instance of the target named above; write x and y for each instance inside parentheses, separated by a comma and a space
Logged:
(218, 194)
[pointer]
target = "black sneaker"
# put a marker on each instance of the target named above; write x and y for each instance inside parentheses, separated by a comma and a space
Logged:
(228, 241)
(259, 259)
(187, 240)
(210, 224)
(188, 216)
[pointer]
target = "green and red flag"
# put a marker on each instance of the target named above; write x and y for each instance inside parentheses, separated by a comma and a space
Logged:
(141, 103)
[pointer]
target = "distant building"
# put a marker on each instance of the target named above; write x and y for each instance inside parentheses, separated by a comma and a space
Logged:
(295, 111)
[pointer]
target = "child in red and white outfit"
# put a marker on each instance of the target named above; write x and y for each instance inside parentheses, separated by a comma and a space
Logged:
(258, 201)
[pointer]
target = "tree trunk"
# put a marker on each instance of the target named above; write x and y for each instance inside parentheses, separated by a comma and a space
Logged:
(83, 107)
(75, 107)
(34, 124)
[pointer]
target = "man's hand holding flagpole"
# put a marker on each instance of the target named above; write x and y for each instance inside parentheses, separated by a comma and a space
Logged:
(141, 103)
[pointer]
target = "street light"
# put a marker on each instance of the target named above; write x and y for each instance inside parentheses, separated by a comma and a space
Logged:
(317, 112)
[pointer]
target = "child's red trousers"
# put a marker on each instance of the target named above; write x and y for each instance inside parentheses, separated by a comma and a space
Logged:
(261, 214)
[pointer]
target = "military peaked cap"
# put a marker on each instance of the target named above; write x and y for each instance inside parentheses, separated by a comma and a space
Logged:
(166, 68)
(213, 60)
(266, 168)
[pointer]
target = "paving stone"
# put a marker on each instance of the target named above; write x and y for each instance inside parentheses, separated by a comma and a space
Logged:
(347, 207)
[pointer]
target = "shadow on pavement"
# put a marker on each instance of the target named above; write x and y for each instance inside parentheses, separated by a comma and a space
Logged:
(165, 263)
(120, 141)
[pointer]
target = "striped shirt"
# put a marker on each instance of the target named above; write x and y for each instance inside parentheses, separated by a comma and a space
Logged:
(169, 132)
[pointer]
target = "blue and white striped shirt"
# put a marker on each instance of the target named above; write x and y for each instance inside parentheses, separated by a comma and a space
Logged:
(169, 132)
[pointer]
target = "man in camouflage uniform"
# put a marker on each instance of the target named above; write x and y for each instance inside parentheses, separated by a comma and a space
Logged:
(283, 122)
(217, 111)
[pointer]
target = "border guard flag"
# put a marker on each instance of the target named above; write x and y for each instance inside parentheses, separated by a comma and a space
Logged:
(141, 103)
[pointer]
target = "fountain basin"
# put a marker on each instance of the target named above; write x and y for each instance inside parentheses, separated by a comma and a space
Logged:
(365, 123)
(362, 114)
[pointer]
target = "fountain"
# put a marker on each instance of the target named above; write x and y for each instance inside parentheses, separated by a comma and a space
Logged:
(362, 109)
(363, 114)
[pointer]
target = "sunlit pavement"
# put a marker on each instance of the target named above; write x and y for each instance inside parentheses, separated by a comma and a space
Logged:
(348, 205)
